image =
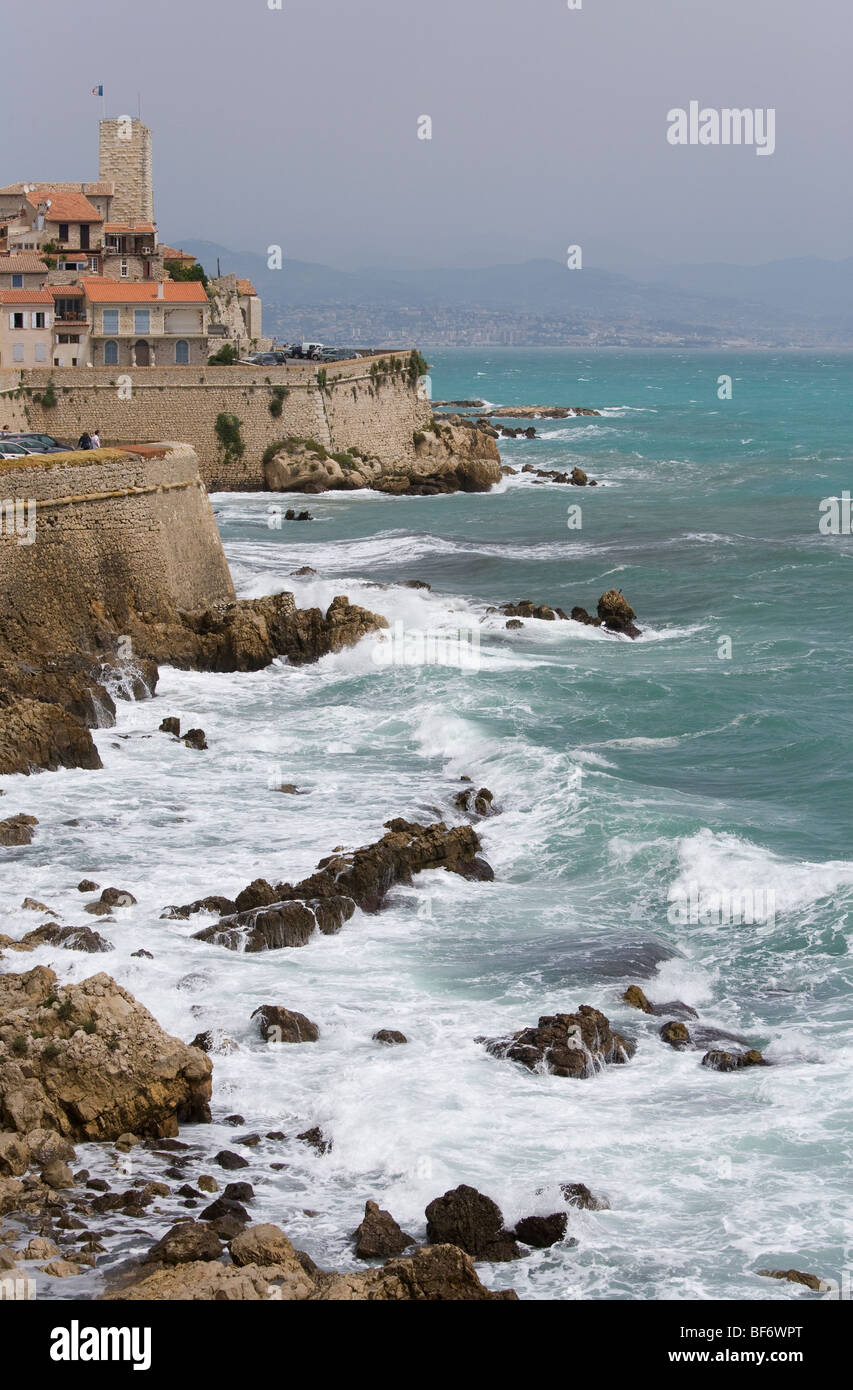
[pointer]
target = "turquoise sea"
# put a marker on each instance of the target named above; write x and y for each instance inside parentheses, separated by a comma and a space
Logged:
(710, 757)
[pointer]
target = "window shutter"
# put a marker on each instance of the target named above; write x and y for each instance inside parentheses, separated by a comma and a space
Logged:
(47, 320)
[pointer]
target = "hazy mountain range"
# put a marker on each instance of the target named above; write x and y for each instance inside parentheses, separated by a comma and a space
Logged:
(802, 302)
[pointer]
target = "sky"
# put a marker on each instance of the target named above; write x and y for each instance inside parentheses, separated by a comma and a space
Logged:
(298, 126)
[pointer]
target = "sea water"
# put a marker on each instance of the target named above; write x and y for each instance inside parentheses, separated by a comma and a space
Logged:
(711, 754)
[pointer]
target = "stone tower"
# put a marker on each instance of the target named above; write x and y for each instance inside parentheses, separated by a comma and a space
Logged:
(125, 160)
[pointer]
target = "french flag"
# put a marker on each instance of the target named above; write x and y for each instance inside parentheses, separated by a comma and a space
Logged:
(98, 91)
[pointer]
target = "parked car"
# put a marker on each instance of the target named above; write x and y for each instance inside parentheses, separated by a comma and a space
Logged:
(10, 450)
(37, 443)
(260, 359)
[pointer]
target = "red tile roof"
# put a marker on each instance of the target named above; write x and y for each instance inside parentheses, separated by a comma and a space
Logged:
(25, 297)
(103, 291)
(66, 207)
(25, 263)
(245, 287)
(63, 291)
(143, 228)
(171, 254)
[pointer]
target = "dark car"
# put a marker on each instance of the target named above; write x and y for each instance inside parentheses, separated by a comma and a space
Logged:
(37, 443)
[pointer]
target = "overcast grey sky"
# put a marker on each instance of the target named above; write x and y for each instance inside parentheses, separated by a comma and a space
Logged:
(299, 126)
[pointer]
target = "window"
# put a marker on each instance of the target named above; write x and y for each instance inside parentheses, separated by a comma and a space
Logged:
(63, 231)
(142, 320)
(41, 352)
(93, 263)
(123, 272)
(111, 354)
(111, 320)
(39, 321)
(69, 337)
(18, 321)
(18, 352)
(182, 352)
(17, 282)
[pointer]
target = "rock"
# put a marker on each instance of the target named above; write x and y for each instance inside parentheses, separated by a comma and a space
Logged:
(212, 903)
(316, 1139)
(635, 997)
(46, 1144)
(344, 881)
(14, 1156)
(579, 478)
(36, 734)
(71, 938)
(17, 830)
(117, 897)
(57, 1175)
(226, 1159)
(542, 1231)
(189, 1240)
(196, 738)
(676, 1035)
(234, 1120)
(575, 1045)
(259, 893)
(87, 885)
(513, 623)
(101, 1066)
(214, 1040)
(62, 1269)
(616, 613)
(279, 1025)
(126, 1142)
(40, 1248)
(206, 1183)
(390, 1037)
(239, 1192)
(467, 1218)
(379, 1236)
(98, 909)
(261, 1245)
(252, 1140)
(795, 1276)
(577, 1194)
(479, 803)
(33, 905)
(146, 955)
(225, 1208)
(719, 1060)
(171, 726)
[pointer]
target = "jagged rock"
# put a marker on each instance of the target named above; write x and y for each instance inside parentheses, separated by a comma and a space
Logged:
(514, 623)
(719, 1060)
(18, 830)
(390, 1037)
(46, 1144)
(14, 1156)
(188, 1241)
(171, 725)
(467, 1218)
(573, 1045)
(145, 955)
(195, 738)
(213, 903)
(72, 938)
(579, 478)
(577, 1194)
(214, 1040)
(676, 1035)
(87, 885)
(542, 1231)
(40, 1248)
(261, 1245)
(616, 613)
(636, 998)
(36, 734)
(117, 897)
(479, 803)
(99, 909)
(206, 1183)
(258, 894)
(379, 1236)
(795, 1276)
(225, 1208)
(33, 905)
(62, 1269)
(343, 881)
(57, 1174)
(316, 1139)
(100, 1066)
(239, 1192)
(226, 1159)
(280, 1025)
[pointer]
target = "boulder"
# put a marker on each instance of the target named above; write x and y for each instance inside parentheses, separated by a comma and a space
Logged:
(575, 1045)
(185, 1242)
(87, 885)
(117, 897)
(467, 1218)
(390, 1037)
(71, 938)
(171, 726)
(195, 738)
(97, 1065)
(14, 1156)
(276, 1024)
(616, 613)
(635, 997)
(577, 1194)
(542, 1231)
(719, 1060)
(17, 830)
(676, 1035)
(262, 1245)
(796, 1276)
(379, 1236)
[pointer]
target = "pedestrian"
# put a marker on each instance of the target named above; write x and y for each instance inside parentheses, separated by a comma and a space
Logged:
(96, 437)
(85, 440)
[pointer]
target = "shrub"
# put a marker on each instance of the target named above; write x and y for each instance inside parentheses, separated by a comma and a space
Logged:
(418, 438)
(418, 367)
(90, 1024)
(65, 1010)
(179, 271)
(225, 357)
(227, 430)
(278, 396)
(49, 1001)
(322, 381)
(50, 1051)
(48, 400)
(20, 1046)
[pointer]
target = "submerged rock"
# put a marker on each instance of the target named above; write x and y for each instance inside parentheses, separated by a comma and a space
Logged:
(719, 1060)
(280, 1025)
(795, 1276)
(574, 1045)
(676, 1035)
(390, 1037)
(18, 830)
(72, 938)
(577, 1194)
(542, 1231)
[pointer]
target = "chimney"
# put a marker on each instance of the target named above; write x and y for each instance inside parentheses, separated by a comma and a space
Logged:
(161, 290)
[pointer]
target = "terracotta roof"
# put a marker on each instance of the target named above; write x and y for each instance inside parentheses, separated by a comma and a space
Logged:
(171, 254)
(26, 263)
(66, 207)
(103, 291)
(25, 297)
(63, 291)
(143, 228)
(245, 287)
